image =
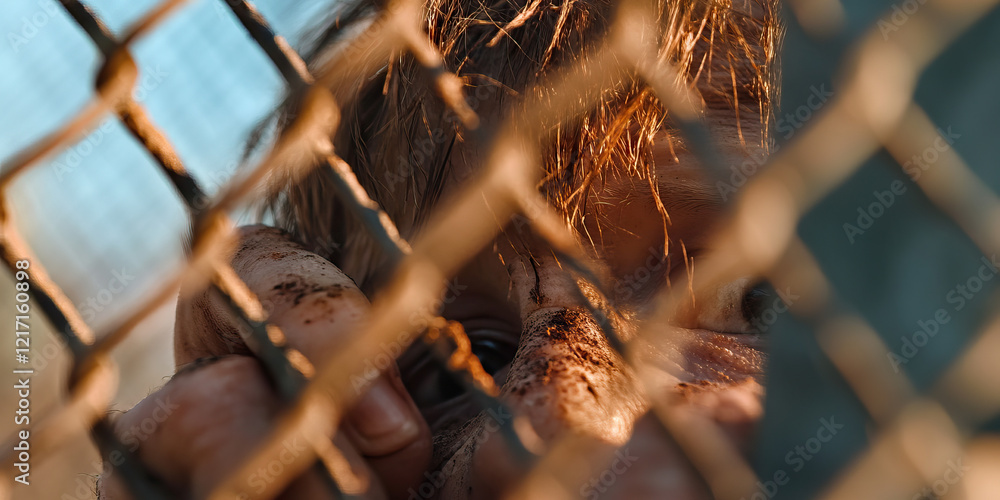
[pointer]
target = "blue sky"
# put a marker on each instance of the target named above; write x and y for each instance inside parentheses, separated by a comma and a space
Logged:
(102, 206)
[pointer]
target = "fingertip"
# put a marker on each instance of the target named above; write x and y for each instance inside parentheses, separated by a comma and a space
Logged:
(382, 422)
(388, 430)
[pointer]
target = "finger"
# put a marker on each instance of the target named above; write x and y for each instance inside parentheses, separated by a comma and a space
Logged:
(316, 305)
(388, 430)
(319, 308)
(198, 429)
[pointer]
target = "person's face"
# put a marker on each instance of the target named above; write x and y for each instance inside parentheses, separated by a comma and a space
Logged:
(522, 314)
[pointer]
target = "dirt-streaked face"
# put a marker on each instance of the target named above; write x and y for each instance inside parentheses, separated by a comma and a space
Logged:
(522, 313)
(523, 316)
(520, 308)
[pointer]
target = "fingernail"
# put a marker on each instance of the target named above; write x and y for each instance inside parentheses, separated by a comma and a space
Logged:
(382, 422)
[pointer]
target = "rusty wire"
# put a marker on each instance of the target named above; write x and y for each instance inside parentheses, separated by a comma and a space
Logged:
(850, 131)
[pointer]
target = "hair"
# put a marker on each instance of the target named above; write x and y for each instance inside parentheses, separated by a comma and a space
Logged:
(401, 140)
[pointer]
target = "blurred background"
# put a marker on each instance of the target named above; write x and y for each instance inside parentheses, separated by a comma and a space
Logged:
(894, 262)
(99, 215)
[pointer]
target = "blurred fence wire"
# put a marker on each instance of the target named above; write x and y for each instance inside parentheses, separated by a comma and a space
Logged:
(843, 335)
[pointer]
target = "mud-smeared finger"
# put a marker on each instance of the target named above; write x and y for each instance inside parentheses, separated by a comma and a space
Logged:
(319, 309)
(316, 305)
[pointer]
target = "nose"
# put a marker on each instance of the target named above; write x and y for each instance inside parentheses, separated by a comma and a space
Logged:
(565, 379)
(566, 376)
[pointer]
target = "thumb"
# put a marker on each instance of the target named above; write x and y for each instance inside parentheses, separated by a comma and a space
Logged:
(386, 428)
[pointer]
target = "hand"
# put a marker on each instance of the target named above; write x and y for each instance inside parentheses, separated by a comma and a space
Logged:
(193, 432)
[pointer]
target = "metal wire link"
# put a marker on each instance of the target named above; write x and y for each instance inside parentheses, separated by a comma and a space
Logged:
(759, 234)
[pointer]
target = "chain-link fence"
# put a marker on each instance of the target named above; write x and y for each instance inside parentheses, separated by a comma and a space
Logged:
(907, 410)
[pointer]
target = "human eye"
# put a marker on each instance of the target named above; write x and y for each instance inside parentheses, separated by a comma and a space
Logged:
(494, 347)
(427, 380)
(738, 307)
(493, 339)
(743, 306)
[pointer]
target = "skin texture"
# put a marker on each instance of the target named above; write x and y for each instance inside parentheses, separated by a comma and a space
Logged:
(415, 436)
(564, 378)
(219, 405)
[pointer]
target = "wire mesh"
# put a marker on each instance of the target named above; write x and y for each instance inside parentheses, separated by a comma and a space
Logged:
(875, 112)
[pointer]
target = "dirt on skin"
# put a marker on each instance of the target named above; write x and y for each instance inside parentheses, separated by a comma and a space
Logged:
(285, 277)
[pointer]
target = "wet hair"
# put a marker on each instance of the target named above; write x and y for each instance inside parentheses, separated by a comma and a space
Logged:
(402, 141)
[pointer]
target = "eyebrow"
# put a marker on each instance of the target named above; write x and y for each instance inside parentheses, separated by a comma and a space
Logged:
(686, 195)
(684, 184)
(684, 187)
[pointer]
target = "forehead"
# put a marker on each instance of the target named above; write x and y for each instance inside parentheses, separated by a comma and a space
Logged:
(622, 222)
